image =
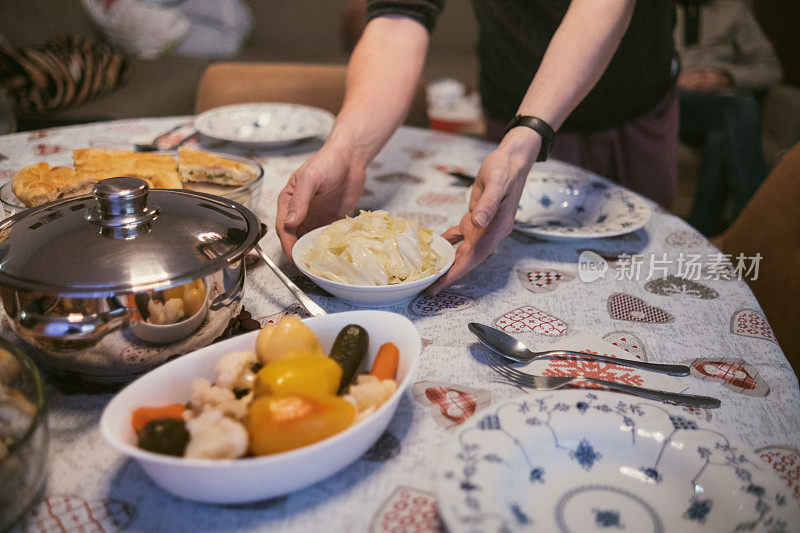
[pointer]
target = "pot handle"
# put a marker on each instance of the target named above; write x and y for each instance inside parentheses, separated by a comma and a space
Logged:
(73, 327)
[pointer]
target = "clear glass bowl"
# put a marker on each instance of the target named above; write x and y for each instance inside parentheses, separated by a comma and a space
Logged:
(22, 463)
(248, 195)
(10, 202)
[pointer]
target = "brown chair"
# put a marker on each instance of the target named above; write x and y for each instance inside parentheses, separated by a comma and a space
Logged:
(770, 225)
(320, 86)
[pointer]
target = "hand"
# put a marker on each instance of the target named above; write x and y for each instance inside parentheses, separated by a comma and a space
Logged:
(704, 80)
(492, 205)
(324, 189)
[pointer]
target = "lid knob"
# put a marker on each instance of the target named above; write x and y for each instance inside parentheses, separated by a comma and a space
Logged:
(121, 196)
(121, 207)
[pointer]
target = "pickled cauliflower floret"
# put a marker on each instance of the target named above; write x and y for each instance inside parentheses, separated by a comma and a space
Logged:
(212, 435)
(166, 313)
(9, 367)
(206, 396)
(373, 248)
(234, 370)
(368, 393)
(16, 415)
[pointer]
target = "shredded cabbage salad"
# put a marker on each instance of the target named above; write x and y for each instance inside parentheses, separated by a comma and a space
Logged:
(373, 248)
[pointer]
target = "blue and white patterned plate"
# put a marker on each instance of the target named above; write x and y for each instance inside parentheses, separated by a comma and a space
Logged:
(580, 205)
(597, 461)
(264, 124)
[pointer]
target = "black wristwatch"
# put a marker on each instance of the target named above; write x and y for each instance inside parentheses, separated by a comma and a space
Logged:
(539, 126)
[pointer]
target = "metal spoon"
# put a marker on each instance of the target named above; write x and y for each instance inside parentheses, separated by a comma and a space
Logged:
(309, 304)
(507, 346)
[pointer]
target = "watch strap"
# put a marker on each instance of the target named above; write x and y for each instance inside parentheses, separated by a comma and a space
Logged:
(539, 126)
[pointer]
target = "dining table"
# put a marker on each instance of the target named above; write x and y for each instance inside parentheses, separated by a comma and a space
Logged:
(531, 287)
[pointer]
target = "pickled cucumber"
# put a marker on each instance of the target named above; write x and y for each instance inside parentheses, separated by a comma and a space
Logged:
(349, 350)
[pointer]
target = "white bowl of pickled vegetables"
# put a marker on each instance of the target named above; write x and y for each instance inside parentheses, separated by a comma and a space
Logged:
(373, 259)
(268, 412)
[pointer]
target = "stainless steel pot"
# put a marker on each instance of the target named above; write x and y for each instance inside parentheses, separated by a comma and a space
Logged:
(82, 279)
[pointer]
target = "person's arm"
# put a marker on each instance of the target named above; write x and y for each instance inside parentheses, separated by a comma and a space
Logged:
(576, 57)
(381, 79)
(758, 66)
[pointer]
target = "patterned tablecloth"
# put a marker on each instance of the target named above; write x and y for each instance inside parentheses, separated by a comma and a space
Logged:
(529, 286)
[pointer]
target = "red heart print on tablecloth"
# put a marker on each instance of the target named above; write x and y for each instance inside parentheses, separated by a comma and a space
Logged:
(628, 341)
(785, 461)
(424, 220)
(67, 512)
(436, 199)
(677, 286)
(576, 366)
(751, 323)
(528, 318)
(407, 509)
(631, 308)
(542, 281)
(450, 405)
(685, 239)
(735, 374)
(424, 305)
(399, 177)
(47, 149)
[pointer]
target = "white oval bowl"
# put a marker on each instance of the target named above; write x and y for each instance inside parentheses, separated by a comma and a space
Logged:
(256, 478)
(370, 295)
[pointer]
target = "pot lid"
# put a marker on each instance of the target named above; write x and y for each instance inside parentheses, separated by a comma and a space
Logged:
(122, 239)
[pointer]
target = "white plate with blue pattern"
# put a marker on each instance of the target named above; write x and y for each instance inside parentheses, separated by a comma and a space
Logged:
(599, 461)
(271, 124)
(578, 205)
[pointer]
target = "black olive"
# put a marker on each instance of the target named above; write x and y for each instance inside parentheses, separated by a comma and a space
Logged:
(164, 435)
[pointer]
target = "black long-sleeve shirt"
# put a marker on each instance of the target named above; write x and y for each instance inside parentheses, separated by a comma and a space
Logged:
(514, 35)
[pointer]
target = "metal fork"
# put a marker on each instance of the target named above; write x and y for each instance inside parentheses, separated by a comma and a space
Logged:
(530, 381)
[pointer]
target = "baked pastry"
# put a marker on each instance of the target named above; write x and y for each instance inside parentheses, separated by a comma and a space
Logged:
(159, 170)
(41, 183)
(199, 166)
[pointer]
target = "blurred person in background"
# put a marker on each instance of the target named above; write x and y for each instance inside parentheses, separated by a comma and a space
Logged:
(726, 62)
(601, 72)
